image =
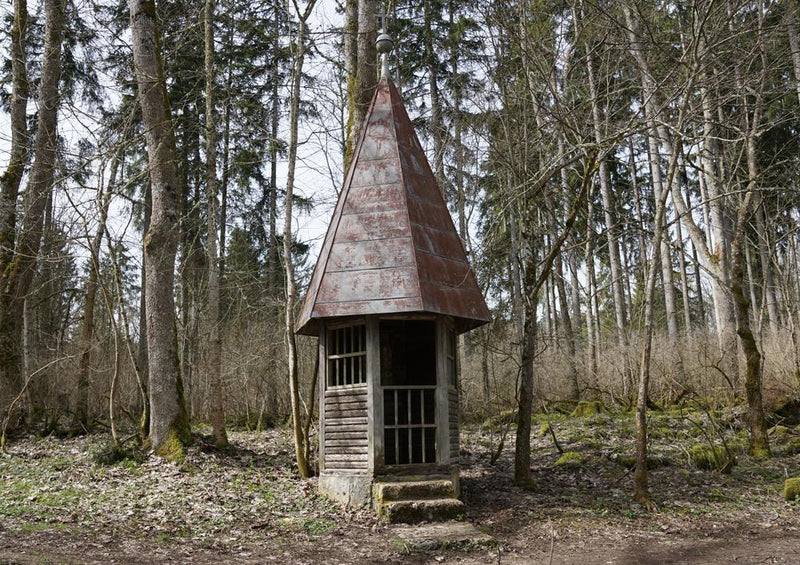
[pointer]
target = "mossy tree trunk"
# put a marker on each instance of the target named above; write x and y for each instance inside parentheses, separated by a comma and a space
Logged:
(169, 422)
(17, 268)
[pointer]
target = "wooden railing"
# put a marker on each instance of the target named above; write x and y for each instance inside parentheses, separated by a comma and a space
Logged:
(409, 424)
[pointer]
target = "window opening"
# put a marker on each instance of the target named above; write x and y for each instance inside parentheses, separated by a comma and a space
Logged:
(347, 356)
(408, 378)
(450, 349)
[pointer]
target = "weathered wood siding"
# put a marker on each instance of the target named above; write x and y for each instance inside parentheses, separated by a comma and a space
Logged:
(346, 429)
(452, 408)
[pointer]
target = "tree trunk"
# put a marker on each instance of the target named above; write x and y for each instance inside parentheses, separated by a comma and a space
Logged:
(144, 370)
(591, 337)
(533, 284)
(437, 126)
(214, 321)
(641, 492)
(687, 311)
(522, 452)
(273, 255)
(611, 227)
(16, 276)
(764, 246)
(169, 422)
(759, 442)
(794, 41)
(12, 177)
(87, 328)
(300, 439)
(351, 74)
(366, 75)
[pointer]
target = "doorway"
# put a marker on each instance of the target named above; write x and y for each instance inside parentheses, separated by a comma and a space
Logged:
(408, 382)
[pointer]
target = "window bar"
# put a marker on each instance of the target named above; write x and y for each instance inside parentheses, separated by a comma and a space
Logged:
(410, 433)
(396, 430)
(422, 421)
(336, 334)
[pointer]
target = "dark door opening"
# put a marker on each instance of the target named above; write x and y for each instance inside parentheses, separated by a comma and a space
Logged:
(408, 379)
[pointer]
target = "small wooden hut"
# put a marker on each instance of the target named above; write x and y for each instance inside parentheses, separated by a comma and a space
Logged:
(390, 292)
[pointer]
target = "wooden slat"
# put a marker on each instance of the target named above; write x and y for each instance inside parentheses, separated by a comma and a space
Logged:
(361, 420)
(345, 428)
(333, 414)
(354, 458)
(339, 433)
(353, 442)
(358, 390)
(335, 450)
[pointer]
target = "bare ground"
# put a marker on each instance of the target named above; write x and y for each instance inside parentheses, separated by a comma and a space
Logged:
(57, 505)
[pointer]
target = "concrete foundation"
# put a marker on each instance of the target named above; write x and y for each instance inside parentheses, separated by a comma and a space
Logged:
(349, 490)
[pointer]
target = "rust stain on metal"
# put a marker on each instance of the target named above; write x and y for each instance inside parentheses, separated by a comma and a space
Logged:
(391, 246)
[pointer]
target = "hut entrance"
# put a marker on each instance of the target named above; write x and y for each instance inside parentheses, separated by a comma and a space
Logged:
(408, 381)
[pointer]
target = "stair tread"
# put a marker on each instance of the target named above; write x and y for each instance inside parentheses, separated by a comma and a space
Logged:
(417, 490)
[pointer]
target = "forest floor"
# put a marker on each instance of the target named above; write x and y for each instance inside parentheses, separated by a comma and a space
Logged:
(59, 504)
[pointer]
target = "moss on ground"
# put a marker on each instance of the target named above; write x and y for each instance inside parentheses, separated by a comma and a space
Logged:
(587, 408)
(570, 460)
(544, 429)
(711, 458)
(791, 489)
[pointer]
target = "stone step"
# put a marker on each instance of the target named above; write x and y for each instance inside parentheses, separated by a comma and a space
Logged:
(414, 490)
(427, 510)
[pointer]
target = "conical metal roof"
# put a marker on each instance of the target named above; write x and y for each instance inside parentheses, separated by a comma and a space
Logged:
(391, 246)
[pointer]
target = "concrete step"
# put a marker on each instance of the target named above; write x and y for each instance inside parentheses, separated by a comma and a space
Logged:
(427, 510)
(414, 490)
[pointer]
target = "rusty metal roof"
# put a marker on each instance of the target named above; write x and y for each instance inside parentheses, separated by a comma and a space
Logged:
(391, 246)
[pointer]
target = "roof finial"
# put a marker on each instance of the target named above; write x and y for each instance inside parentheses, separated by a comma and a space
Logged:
(384, 45)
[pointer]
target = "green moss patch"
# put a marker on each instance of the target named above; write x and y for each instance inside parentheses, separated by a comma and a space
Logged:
(586, 408)
(629, 462)
(544, 429)
(711, 458)
(791, 489)
(570, 460)
(779, 432)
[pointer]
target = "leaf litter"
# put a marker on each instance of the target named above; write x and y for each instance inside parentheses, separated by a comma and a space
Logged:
(247, 505)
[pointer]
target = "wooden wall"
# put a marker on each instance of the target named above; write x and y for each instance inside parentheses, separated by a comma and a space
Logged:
(452, 406)
(346, 429)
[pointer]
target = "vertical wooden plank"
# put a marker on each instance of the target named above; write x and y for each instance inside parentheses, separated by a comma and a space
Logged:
(323, 380)
(442, 420)
(374, 396)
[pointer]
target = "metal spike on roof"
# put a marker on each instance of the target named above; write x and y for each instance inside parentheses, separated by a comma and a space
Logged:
(391, 246)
